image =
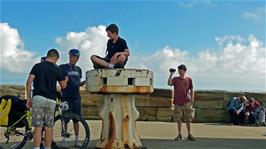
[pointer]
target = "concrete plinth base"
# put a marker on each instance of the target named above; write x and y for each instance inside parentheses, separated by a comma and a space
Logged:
(119, 113)
(119, 116)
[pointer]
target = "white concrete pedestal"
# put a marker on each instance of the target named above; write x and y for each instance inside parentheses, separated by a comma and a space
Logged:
(119, 113)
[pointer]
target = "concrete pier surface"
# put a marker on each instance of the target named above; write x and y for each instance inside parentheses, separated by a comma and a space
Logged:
(160, 135)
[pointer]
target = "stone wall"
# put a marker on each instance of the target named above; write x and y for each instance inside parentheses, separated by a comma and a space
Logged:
(16, 90)
(210, 105)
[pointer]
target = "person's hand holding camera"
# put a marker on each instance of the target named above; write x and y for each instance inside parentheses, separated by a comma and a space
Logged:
(172, 70)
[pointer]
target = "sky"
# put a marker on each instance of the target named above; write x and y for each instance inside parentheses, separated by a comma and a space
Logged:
(221, 42)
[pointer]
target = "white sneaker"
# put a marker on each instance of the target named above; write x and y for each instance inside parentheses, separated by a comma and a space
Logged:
(63, 143)
(77, 143)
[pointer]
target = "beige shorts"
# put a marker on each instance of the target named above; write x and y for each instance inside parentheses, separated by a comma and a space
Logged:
(43, 111)
(184, 112)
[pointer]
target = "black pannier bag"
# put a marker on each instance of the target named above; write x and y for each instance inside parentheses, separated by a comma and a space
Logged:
(17, 110)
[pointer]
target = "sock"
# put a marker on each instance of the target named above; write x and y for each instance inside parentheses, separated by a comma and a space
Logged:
(76, 138)
(111, 65)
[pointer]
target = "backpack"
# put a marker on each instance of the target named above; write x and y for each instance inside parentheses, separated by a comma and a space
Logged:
(13, 108)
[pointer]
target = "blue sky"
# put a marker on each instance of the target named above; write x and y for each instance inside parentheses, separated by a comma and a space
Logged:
(192, 27)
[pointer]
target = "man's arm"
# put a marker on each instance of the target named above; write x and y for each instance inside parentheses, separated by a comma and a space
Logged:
(192, 95)
(28, 88)
(125, 53)
(231, 105)
(81, 83)
(169, 82)
(63, 84)
(241, 107)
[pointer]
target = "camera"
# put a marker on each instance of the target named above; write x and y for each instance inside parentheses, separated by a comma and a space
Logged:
(172, 70)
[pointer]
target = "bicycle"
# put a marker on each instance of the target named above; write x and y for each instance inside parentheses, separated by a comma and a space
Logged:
(17, 136)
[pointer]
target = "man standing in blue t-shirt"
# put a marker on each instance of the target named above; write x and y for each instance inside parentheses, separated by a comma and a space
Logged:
(117, 51)
(71, 93)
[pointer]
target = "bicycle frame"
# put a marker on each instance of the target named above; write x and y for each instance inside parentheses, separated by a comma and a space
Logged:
(59, 110)
(16, 130)
(12, 129)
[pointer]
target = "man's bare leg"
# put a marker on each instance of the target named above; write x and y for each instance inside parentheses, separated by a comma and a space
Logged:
(188, 128)
(48, 136)
(76, 129)
(179, 126)
(118, 60)
(37, 136)
(98, 61)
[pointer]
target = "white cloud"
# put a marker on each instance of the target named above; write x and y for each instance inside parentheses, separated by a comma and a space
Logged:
(14, 58)
(239, 64)
(92, 41)
(192, 3)
(229, 39)
(256, 14)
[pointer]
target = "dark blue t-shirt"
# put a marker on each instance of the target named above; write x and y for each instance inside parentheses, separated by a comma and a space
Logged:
(46, 76)
(119, 46)
(74, 73)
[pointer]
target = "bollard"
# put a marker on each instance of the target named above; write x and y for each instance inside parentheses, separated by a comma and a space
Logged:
(119, 113)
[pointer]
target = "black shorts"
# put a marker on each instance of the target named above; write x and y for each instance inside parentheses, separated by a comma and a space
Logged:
(74, 106)
(95, 66)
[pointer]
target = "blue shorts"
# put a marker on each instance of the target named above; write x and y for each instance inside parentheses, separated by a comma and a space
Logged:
(74, 106)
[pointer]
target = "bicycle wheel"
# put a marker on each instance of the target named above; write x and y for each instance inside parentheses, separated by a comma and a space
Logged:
(69, 135)
(18, 136)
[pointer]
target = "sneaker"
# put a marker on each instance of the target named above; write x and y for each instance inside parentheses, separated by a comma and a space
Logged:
(65, 134)
(178, 137)
(119, 66)
(191, 138)
(77, 143)
(63, 143)
(263, 124)
(258, 124)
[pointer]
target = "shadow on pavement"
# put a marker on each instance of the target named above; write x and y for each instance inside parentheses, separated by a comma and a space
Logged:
(201, 143)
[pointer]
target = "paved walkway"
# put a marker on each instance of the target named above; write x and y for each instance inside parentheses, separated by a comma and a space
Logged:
(159, 135)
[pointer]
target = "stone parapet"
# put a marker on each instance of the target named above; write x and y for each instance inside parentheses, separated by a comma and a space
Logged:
(210, 105)
(15, 90)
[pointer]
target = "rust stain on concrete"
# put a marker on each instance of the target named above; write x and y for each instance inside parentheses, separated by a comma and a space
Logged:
(111, 137)
(124, 89)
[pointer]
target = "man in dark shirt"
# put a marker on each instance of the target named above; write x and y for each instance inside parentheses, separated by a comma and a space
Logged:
(71, 93)
(117, 51)
(44, 76)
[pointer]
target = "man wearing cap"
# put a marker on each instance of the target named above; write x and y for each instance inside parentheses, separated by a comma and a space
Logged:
(183, 100)
(71, 93)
